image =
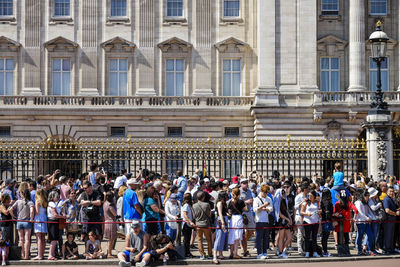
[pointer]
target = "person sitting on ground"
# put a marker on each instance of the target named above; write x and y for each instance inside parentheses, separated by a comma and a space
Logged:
(70, 248)
(162, 248)
(93, 248)
(136, 245)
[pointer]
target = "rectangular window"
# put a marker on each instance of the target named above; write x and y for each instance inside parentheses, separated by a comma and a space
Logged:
(6, 76)
(373, 74)
(61, 76)
(174, 8)
(6, 7)
(61, 8)
(118, 82)
(231, 77)
(231, 8)
(330, 74)
(175, 132)
(117, 132)
(5, 131)
(175, 77)
(330, 7)
(378, 7)
(232, 132)
(232, 168)
(118, 8)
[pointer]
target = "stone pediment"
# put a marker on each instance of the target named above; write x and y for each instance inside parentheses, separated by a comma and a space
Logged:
(118, 44)
(61, 44)
(175, 45)
(6, 44)
(232, 45)
(331, 40)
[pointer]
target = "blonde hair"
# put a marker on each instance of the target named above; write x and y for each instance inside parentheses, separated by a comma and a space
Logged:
(265, 188)
(23, 186)
(41, 198)
(360, 184)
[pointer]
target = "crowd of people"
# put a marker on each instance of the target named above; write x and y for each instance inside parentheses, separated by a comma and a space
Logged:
(152, 212)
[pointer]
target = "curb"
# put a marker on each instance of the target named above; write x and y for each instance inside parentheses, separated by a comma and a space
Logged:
(204, 262)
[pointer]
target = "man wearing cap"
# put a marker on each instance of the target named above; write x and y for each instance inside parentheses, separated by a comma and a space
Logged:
(130, 205)
(136, 246)
(181, 184)
(9, 183)
(247, 197)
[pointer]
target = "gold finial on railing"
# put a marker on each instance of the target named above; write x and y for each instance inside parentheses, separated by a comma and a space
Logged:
(129, 140)
(208, 139)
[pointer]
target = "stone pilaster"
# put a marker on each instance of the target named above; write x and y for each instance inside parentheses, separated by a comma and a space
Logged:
(357, 46)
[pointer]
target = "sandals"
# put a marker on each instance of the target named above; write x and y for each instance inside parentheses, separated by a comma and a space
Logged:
(221, 258)
(51, 258)
(237, 257)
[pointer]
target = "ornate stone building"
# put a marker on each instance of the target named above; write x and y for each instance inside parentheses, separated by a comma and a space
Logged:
(255, 69)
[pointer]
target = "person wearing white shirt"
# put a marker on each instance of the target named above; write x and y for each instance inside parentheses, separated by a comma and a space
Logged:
(363, 217)
(298, 201)
(262, 205)
(311, 212)
(120, 180)
(172, 213)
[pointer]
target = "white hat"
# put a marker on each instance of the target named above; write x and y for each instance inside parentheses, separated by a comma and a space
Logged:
(372, 192)
(232, 186)
(244, 180)
(133, 181)
(206, 180)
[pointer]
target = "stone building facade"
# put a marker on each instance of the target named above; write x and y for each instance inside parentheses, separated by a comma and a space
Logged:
(255, 69)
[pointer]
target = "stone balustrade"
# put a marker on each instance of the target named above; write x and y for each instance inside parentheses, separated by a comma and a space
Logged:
(357, 98)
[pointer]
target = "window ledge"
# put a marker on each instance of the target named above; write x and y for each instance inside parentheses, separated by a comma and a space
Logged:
(175, 21)
(8, 19)
(330, 17)
(61, 20)
(231, 21)
(118, 20)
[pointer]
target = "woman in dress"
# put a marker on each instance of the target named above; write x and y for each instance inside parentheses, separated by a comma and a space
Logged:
(53, 214)
(110, 229)
(235, 208)
(221, 222)
(40, 228)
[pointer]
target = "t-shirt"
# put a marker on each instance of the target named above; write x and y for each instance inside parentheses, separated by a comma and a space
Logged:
(33, 196)
(201, 213)
(93, 246)
(262, 215)
(148, 211)
(91, 212)
(71, 246)
(64, 189)
(237, 208)
(246, 195)
(388, 203)
(23, 209)
(188, 209)
(52, 205)
(129, 201)
(120, 181)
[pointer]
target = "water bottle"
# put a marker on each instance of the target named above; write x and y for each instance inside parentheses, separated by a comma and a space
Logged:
(164, 260)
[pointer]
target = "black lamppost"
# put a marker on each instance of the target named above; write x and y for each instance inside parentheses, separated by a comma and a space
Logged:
(378, 40)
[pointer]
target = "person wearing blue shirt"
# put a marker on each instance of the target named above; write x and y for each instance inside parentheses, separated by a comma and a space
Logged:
(181, 184)
(9, 183)
(32, 189)
(130, 205)
(392, 210)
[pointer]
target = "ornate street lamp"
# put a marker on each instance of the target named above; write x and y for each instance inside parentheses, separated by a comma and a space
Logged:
(378, 40)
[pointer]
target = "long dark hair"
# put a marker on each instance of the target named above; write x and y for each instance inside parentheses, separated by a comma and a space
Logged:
(187, 199)
(326, 197)
(344, 201)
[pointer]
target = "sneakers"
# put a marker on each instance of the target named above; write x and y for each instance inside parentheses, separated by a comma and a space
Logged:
(3, 263)
(140, 264)
(202, 257)
(246, 254)
(261, 257)
(380, 251)
(397, 250)
(277, 252)
(307, 255)
(316, 255)
(266, 255)
(283, 255)
(327, 254)
(124, 264)
(371, 253)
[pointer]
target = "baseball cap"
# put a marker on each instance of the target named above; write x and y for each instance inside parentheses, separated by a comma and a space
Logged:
(244, 180)
(235, 179)
(135, 225)
(225, 182)
(133, 181)
(206, 180)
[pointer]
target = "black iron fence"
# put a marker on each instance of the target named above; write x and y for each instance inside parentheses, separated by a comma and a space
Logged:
(221, 158)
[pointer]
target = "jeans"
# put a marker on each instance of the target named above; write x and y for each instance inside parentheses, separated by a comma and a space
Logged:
(199, 235)
(375, 235)
(262, 238)
(170, 232)
(300, 234)
(310, 238)
(324, 241)
(361, 229)
(187, 235)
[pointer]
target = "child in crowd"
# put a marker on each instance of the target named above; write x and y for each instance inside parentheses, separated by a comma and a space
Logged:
(70, 248)
(4, 251)
(93, 248)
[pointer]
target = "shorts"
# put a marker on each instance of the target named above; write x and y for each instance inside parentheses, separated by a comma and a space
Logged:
(91, 227)
(24, 225)
(128, 255)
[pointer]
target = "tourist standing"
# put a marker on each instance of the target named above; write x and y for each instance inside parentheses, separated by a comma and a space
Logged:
(40, 225)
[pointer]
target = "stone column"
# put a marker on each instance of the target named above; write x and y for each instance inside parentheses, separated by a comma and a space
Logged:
(267, 89)
(357, 46)
(379, 145)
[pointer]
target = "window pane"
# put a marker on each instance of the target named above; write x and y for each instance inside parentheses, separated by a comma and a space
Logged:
(335, 63)
(236, 84)
(66, 65)
(114, 64)
(113, 83)
(1, 64)
(384, 64)
(227, 65)
(6, 7)
(9, 64)
(231, 8)
(123, 64)
(325, 81)
(9, 83)
(180, 65)
(236, 65)
(57, 64)
(174, 8)
(170, 84)
(118, 8)
(330, 7)
(227, 84)
(56, 83)
(123, 84)
(378, 7)
(334, 81)
(324, 63)
(385, 80)
(180, 84)
(66, 83)
(372, 80)
(61, 8)
(2, 86)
